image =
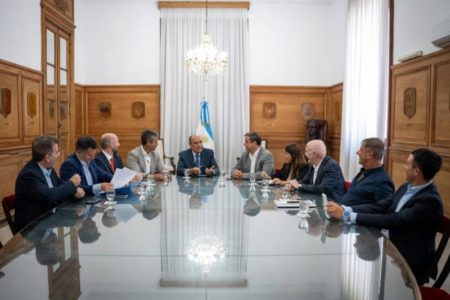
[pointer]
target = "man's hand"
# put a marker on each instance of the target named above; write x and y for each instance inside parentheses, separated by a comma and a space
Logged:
(79, 193)
(237, 174)
(195, 171)
(137, 177)
(334, 210)
(278, 181)
(158, 177)
(76, 179)
(209, 171)
(264, 175)
(106, 186)
(292, 184)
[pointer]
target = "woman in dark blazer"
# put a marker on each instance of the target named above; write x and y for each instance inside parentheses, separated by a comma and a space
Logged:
(295, 166)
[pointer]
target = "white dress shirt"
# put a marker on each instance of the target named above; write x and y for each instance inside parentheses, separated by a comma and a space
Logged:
(253, 160)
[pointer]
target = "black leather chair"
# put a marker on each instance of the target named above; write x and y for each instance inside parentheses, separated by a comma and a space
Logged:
(9, 206)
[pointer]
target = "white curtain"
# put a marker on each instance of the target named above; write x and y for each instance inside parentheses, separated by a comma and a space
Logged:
(182, 91)
(365, 98)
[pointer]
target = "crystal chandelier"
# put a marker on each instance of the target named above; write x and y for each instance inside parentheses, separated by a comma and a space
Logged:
(205, 251)
(205, 59)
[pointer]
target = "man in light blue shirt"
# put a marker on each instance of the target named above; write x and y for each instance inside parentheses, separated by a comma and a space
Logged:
(412, 216)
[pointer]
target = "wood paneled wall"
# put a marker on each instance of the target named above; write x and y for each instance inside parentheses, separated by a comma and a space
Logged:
(420, 115)
(20, 120)
(280, 113)
(126, 110)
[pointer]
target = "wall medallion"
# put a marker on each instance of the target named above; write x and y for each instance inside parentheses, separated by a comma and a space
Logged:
(31, 104)
(409, 102)
(269, 110)
(5, 98)
(61, 4)
(104, 108)
(138, 110)
(63, 110)
(307, 110)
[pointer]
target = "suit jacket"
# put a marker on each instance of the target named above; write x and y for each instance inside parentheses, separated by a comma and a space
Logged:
(207, 160)
(264, 162)
(34, 197)
(283, 174)
(136, 161)
(412, 229)
(72, 166)
(329, 180)
(103, 163)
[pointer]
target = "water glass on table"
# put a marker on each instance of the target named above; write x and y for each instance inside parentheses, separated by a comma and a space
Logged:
(110, 195)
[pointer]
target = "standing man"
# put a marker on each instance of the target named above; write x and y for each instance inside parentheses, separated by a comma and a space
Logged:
(200, 161)
(144, 159)
(93, 179)
(255, 159)
(372, 183)
(108, 159)
(324, 174)
(413, 216)
(38, 188)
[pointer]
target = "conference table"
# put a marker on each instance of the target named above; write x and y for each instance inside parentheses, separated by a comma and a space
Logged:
(200, 238)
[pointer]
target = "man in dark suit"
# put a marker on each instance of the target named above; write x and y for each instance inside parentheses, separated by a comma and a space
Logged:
(324, 174)
(411, 217)
(38, 188)
(108, 159)
(93, 179)
(198, 160)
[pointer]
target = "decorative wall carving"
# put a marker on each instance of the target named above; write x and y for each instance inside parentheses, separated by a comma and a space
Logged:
(269, 110)
(104, 109)
(137, 110)
(5, 105)
(409, 102)
(31, 105)
(307, 110)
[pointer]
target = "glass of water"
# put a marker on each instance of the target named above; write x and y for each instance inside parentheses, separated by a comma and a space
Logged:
(110, 195)
(265, 183)
(186, 173)
(252, 178)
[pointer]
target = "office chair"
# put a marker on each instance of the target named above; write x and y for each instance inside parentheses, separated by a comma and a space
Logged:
(9, 206)
(168, 161)
(444, 229)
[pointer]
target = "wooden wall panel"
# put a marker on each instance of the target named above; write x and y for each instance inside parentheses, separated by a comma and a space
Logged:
(32, 106)
(126, 110)
(441, 121)
(430, 125)
(280, 114)
(410, 116)
(10, 125)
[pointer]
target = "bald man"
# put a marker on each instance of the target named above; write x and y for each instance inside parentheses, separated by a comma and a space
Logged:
(324, 174)
(108, 159)
(199, 161)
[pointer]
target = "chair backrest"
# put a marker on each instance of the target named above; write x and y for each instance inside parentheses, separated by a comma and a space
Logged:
(168, 161)
(264, 143)
(444, 229)
(9, 205)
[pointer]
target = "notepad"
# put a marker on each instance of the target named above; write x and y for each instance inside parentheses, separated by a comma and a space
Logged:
(286, 203)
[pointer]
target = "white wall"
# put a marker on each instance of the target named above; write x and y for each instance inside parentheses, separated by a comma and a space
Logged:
(299, 43)
(20, 32)
(413, 22)
(117, 42)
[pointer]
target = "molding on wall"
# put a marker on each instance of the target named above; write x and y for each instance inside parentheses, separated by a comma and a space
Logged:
(201, 4)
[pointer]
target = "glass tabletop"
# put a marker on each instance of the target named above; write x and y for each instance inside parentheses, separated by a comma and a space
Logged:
(201, 238)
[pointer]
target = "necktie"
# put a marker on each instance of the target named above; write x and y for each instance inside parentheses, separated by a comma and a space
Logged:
(197, 160)
(111, 161)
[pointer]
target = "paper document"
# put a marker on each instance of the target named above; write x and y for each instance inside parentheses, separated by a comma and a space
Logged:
(122, 177)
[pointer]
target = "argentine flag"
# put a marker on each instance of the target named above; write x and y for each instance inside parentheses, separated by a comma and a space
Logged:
(204, 127)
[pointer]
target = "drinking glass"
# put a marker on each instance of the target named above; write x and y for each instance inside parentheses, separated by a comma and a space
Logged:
(252, 178)
(166, 177)
(186, 173)
(265, 185)
(303, 209)
(110, 195)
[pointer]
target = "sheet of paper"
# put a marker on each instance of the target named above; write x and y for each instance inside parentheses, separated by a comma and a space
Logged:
(122, 177)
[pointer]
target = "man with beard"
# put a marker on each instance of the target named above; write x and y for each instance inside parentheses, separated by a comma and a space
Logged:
(108, 158)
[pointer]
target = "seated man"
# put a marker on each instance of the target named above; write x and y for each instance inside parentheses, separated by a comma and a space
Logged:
(108, 159)
(324, 174)
(198, 160)
(93, 179)
(255, 159)
(38, 188)
(144, 159)
(411, 217)
(372, 183)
